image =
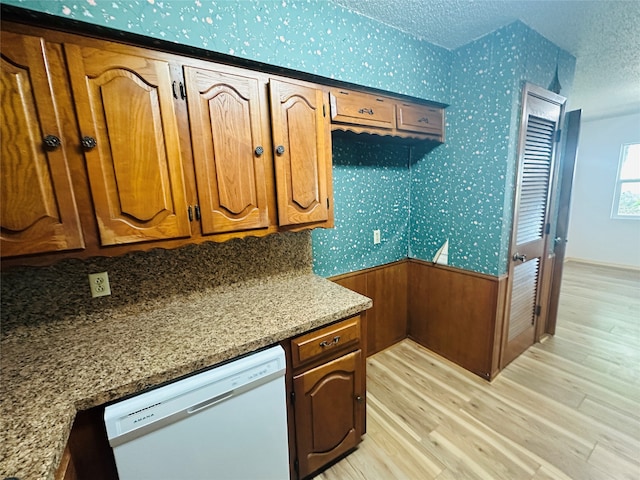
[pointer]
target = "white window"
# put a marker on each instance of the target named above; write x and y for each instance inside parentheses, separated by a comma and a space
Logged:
(626, 201)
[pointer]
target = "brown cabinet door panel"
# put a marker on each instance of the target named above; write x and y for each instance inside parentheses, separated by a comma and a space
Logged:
(38, 208)
(301, 157)
(226, 126)
(329, 410)
(421, 119)
(358, 108)
(125, 103)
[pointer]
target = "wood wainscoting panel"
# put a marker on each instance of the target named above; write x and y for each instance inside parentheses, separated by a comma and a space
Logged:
(386, 322)
(457, 314)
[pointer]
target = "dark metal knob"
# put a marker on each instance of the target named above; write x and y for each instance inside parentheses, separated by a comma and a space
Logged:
(279, 149)
(517, 256)
(51, 142)
(259, 151)
(89, 142)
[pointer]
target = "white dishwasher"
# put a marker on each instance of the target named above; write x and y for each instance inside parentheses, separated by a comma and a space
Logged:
(227, 423)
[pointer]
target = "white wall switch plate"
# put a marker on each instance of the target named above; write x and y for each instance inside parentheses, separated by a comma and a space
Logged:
(376, 237)
(99, 283)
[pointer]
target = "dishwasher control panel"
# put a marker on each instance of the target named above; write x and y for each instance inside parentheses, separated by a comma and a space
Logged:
(164, 405)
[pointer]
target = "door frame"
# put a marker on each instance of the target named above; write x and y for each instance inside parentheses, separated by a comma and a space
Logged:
(544, 273)
(566, 171)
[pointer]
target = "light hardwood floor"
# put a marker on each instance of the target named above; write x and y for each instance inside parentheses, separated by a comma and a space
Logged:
(568, 408)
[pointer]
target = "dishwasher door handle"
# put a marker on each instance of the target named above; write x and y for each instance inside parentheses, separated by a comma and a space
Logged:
(210, 402)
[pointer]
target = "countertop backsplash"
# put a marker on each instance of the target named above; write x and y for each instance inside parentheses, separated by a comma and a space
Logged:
(33, 295)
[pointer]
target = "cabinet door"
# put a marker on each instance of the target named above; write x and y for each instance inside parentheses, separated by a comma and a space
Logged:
(38, 208)
(329, 411)
(421, 119)
(124, 103)
(357, 108)
(302, 153)
(228, 150)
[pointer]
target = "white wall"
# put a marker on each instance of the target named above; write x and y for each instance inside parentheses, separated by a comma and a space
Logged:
(593, 235)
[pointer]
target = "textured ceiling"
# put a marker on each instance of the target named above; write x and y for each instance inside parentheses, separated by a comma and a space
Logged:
(603, 35)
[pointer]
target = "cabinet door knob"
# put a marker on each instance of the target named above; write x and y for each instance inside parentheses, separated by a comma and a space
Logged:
(89, 143)
(51, 142)
(279, 149)
(359, 398)
(259, 151)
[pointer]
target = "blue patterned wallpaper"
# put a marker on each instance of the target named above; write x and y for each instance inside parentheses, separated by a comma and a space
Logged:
(461, 191)
(464, 192)
(371, 192)
(312, 36)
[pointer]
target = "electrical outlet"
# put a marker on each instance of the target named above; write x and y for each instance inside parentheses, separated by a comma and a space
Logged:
(376, 237)
(99, 283)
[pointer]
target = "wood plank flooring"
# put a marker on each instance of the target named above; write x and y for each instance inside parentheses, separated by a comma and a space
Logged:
(568, 408)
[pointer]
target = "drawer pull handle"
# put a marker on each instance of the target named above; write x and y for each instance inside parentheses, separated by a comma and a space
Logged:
(424, 120)
(335, 340)
(366, 110)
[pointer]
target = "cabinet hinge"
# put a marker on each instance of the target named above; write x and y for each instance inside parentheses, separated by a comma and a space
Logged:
(538, 310)
(547, 228)
(324, 110)
(327, 203)
(293, 397)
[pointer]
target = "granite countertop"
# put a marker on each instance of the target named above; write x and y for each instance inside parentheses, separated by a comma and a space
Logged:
(52, 370)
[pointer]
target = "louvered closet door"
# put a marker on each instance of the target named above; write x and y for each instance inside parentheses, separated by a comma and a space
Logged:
(536, 154)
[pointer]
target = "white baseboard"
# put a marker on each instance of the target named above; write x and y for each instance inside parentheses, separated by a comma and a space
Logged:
(602, 264)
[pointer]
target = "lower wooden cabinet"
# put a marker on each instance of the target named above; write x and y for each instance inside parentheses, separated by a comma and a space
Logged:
(66, 469)
(328, 404)
(328, 394)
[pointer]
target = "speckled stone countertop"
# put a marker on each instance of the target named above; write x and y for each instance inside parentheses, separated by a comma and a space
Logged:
(51, 371)
(171, 313)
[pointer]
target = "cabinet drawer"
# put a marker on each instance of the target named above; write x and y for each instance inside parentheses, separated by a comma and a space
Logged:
(419, 118)
(325, 341)
(361, 109)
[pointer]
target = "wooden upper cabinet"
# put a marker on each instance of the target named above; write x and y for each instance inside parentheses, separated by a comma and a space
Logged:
(302, 153)
(130, 137)
(228, 143)
(38, 209)
(368, 113)
(361, 109)
(421, 119)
